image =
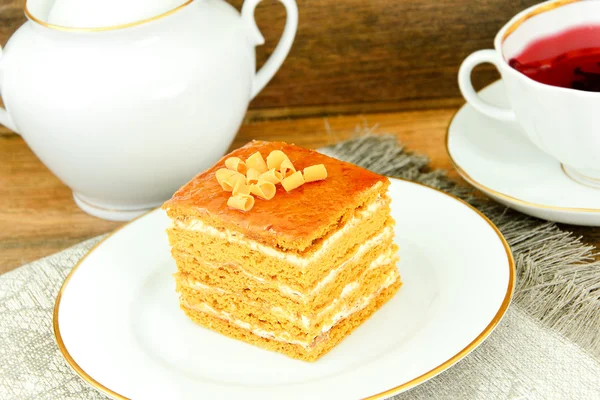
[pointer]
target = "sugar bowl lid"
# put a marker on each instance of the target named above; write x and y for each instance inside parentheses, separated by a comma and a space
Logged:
(91, 15)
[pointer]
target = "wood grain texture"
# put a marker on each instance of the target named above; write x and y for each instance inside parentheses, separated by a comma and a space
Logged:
(38, 216)
(37, 213)
(351, 52)
(356, 56)
(357, 52)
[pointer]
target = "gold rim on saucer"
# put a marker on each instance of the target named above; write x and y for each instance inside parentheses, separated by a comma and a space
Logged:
(102, 28)
(503, 196)
(443, 366)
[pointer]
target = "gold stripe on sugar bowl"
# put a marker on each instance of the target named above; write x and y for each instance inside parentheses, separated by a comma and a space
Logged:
(144, 210)
(101, 28)
(404, 386)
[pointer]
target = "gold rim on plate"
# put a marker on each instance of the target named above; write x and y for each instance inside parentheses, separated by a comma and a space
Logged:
(101, 28)
(495, 193)
(414, 382)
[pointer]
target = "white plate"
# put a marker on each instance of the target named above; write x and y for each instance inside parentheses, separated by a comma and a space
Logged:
(118, 323)
(498, 159)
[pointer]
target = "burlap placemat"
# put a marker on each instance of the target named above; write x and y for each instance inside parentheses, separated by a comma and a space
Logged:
(546, 347)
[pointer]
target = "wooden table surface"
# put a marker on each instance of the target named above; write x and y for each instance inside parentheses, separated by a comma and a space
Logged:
(38, 216)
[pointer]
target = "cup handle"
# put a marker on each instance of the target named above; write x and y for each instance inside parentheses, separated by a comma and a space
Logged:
(264, 75)
(469, 93)
(5, 118)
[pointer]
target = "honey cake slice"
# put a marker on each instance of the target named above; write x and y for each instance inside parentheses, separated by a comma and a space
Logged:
(295, 273)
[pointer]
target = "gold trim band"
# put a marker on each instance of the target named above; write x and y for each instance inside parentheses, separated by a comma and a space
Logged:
(114, 210)
(443, 366)
(538, 10)
(580, 181)
(103, 28)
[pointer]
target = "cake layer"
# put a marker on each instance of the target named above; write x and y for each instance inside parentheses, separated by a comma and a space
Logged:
(300, 259)
(291, 220)
(301, 350)
(235, 279)
(216, 250)
(301, 325)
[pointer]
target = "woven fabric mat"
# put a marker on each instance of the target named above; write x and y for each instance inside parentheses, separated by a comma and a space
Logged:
(546, 347)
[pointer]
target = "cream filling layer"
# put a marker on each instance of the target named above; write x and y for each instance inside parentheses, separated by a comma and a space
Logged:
(285, 337)
(380, 261)
(362, 303)
(383, 259)
(238, 238)
(385, 234)
(280, 337)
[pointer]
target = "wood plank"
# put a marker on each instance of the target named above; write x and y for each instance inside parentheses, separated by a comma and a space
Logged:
(353, 56)
(424, 131)
(261, 114)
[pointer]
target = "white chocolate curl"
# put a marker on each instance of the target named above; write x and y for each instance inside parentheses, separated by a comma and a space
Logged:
(263, 189)
(272, 176)
(287, 168)
(242, 202)
(236, 164)
(315, 173)
(255, 177)
(256, 161)
(240, 188)
(275, 158)
(228, 178)
(293, 181)
(252, 176)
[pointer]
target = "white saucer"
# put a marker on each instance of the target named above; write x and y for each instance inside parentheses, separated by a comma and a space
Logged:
(496, 158)
(118, 324)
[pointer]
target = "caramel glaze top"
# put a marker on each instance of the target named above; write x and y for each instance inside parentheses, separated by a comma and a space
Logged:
(289, 220)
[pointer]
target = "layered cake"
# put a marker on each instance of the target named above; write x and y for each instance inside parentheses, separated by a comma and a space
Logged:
(283, 247)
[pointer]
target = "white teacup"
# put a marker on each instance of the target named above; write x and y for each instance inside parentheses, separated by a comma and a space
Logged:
(564, 123)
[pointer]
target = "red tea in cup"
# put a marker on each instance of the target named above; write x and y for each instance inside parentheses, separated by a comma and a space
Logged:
(569, 59)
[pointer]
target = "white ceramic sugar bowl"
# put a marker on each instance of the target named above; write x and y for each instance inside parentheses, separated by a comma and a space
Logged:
(127, 108)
